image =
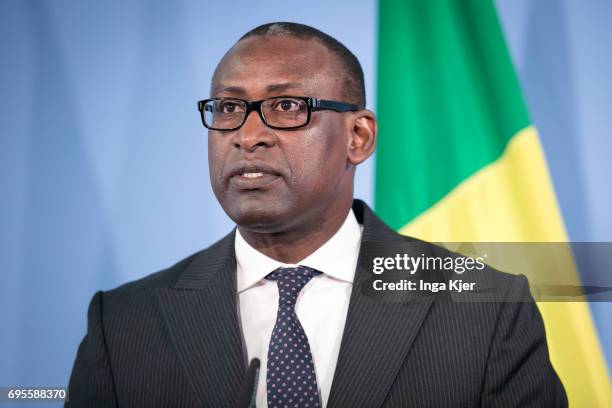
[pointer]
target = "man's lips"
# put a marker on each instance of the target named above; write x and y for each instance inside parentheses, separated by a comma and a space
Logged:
(252, 175)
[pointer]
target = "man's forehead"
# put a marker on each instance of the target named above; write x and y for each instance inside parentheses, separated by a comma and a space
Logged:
(239, 88)
(272, 65)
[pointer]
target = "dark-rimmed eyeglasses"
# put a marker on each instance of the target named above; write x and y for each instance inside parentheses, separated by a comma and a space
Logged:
(280, 112)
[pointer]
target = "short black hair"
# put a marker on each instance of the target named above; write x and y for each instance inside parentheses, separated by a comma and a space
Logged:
(353, 86)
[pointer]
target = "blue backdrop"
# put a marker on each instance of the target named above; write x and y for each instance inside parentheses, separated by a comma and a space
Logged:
(104, 177)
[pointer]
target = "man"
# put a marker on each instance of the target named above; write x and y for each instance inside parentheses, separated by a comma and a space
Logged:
(287, 128)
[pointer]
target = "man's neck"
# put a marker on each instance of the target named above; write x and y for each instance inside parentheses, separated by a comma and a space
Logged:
(295, 244)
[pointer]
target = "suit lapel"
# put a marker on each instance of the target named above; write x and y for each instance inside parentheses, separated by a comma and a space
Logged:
(377, 336)
(201, 314)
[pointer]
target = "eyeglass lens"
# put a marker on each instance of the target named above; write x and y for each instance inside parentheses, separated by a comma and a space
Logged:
(278, 112)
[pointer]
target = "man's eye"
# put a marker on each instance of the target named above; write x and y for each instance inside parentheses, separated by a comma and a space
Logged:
(287, 105)
(230, 107)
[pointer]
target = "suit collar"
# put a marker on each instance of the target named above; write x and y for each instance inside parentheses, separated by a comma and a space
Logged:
(221, 255)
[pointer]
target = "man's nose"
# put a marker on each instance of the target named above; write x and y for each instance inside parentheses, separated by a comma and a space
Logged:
(254, 134)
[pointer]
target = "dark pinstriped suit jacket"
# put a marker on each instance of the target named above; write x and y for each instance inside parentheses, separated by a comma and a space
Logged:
(173, 339)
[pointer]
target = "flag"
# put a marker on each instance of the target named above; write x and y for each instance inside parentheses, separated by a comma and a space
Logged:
(459, 160)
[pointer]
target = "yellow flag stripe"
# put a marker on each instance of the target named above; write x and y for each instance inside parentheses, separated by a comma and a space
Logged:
(512, 200)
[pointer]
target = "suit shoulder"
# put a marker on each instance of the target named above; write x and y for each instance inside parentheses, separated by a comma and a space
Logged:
(161, 279)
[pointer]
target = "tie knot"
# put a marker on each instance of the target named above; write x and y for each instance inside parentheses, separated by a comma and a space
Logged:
(291, 280)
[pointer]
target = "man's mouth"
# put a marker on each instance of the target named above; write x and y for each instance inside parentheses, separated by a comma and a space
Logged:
(253, 175)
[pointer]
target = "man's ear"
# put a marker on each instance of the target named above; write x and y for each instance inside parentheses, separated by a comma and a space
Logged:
(362, 141)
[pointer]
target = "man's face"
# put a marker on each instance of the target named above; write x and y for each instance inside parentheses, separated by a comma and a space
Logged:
(296, 176)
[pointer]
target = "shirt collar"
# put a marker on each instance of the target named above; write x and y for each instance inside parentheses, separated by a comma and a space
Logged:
(337, 258)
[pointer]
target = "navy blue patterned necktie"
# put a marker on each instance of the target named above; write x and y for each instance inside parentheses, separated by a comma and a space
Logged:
(291, 380)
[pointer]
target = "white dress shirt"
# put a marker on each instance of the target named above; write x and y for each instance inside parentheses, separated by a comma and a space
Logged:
(321, 306)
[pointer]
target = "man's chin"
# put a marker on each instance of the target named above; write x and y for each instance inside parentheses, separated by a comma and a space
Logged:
(259, 217)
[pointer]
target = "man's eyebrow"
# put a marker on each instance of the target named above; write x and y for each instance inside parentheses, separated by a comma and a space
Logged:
(229, 89)
(238, 90)
(283, 86)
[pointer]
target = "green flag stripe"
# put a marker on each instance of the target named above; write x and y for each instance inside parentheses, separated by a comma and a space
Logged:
(448, 100)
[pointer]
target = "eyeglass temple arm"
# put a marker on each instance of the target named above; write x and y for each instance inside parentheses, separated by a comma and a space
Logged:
(322, 104)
